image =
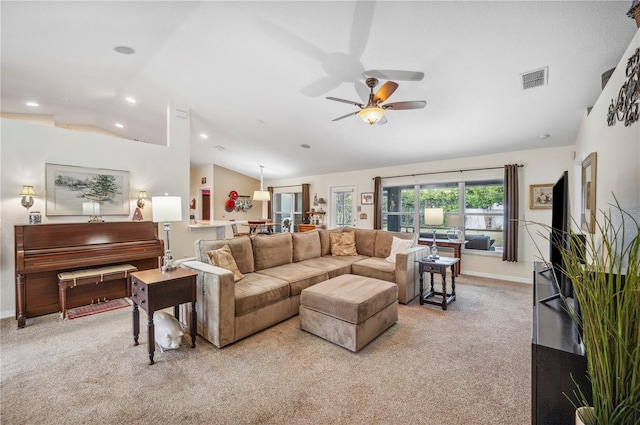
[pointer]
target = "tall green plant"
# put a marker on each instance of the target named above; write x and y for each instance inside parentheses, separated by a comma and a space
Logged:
(608, 291)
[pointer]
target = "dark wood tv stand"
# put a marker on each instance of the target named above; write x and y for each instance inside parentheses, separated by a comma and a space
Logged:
(557, 359)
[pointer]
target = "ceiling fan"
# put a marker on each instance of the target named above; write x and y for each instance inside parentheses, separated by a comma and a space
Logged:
(373, 112)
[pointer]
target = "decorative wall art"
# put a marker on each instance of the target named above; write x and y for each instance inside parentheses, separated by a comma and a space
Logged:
(625, 108)
(68, 187)
(588, 210)
(541, 196)
(366, 198)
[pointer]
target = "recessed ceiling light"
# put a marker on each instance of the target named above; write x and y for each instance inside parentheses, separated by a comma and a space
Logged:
(130, 99)
(544, 136)
(125, 50)
(119, 125)
(204, 135)
(32, 104)
(305, 146)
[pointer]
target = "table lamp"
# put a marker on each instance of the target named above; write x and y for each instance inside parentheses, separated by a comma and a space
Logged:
(434, 217)
(92, 209)
(165, 210)
(454, 221)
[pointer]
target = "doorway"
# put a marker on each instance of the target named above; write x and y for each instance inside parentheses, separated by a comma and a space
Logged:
(342, 201)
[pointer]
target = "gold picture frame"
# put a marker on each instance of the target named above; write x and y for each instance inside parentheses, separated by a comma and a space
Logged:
(588, 204)
(541, 196)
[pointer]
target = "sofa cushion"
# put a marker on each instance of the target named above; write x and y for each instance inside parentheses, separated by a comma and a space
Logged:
(334, 266)
(256, 291)
(375, 267)
(325, 240)
(241, 250)
(365, 240)
(299, 276)
(343, 243)
(305, 245)
(222, 257)
(272, 250)
(384, 240)
(398, 245)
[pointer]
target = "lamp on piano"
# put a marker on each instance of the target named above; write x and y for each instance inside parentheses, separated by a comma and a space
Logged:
(434, 217)
(92, 209)
(165, 210)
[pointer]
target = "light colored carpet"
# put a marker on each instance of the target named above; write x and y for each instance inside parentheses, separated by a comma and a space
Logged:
(467, 365)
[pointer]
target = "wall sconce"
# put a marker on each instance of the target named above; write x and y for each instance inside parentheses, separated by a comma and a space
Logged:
(165, 210)
(27, 194)
(141, 197)
(92, 209)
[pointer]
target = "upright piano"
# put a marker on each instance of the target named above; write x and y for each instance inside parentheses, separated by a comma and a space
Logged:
(44, 250)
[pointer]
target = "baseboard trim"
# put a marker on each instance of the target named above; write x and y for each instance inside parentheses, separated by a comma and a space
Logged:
(498, 276)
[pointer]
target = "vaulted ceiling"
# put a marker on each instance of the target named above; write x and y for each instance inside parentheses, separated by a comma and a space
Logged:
(255, 75)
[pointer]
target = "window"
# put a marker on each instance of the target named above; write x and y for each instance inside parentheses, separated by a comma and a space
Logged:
(287, 206)
(479, 202)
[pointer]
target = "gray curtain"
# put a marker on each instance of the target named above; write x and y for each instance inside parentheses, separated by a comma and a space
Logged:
(511, 213)
(306, 202)
(377, 203)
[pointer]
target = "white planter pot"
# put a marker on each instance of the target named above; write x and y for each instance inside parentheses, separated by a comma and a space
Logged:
(585, 413)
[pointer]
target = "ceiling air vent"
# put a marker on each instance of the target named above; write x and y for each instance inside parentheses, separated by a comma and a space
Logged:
(535, 78)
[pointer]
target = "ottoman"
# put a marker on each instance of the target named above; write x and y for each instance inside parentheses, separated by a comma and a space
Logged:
(349, 310)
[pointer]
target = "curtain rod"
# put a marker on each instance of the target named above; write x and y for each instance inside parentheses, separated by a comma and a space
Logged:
(291, 185)
(451, 171)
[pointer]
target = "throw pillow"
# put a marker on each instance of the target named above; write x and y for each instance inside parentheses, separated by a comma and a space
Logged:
(223, 258)
(398, 245)
(343, 243)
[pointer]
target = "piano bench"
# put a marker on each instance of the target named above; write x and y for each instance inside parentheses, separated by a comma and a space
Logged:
(90, 276)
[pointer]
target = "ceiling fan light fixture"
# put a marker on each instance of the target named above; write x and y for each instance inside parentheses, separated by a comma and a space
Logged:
(371, 115)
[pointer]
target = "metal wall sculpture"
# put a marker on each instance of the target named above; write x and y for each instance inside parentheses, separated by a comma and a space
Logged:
(626, 107)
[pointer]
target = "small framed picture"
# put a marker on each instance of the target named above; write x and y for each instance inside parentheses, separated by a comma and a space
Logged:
(366, 198)
(541, 196)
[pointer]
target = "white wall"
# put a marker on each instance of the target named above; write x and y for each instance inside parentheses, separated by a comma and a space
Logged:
(27, 147)
(540, 166)
(618, 147)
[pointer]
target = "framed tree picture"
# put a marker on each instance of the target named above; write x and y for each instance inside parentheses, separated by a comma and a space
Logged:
(68, 187)
(541, 196)
(588, 210)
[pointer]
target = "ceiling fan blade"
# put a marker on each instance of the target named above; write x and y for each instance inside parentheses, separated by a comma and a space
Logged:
(398, 106)
(350, 102)
(345, 116)
(382, 120)
(385, 91)
(392, 74)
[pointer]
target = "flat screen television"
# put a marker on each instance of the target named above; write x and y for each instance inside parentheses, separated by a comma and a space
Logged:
(560, 238)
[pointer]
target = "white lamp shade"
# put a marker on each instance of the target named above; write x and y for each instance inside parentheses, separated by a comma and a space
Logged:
(27, 191)
(454, 220)
(434, 216)
(166, 208)
(90, 208)
(261, 195)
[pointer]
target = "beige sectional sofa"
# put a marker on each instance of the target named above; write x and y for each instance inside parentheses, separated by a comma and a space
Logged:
(276, 268)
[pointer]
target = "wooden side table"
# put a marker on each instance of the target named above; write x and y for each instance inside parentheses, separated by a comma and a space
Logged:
(154, 290)
(447, 243)
(438, 266)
